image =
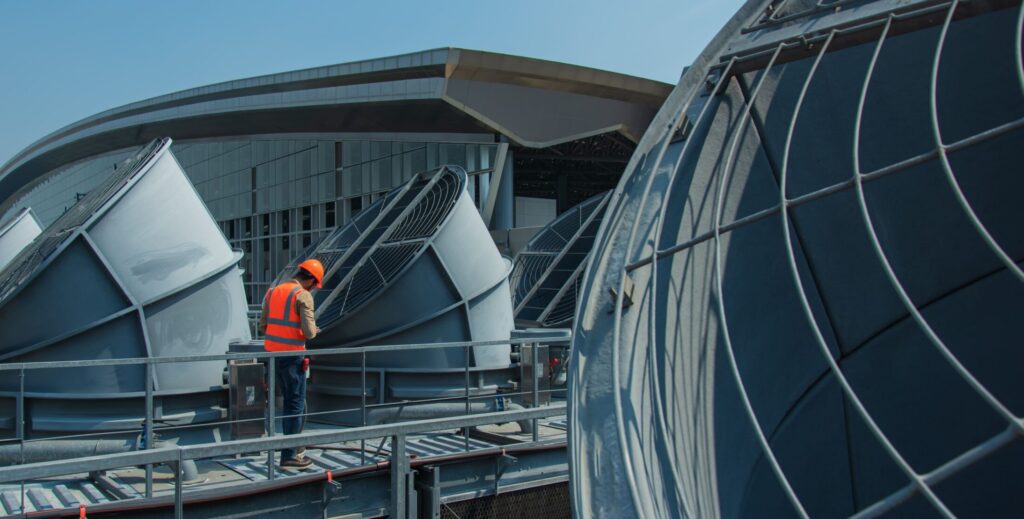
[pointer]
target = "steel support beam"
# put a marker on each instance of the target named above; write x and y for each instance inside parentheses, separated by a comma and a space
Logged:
(495, 185)
(399, 478)
(428, 485)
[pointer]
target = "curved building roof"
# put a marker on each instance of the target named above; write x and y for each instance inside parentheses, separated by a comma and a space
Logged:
(534, 103)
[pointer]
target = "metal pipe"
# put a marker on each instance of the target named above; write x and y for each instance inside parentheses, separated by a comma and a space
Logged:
(48, 450)
(440, 410)
(43, 451)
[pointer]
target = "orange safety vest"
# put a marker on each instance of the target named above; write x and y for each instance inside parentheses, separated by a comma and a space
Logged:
(284, 331)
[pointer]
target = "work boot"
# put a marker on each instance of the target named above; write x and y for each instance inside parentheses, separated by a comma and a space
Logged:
(298, 462)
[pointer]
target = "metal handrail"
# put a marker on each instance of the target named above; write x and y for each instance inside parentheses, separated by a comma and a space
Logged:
(160, 455)
(543, 339)
(150, 456)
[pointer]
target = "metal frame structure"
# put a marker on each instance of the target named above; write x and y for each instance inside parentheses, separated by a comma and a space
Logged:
(638, 240)
(399, 465)
(547, 273)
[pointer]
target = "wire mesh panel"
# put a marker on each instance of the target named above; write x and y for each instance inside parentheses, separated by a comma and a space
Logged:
(547, 271)
(806, 298)
(550, 501)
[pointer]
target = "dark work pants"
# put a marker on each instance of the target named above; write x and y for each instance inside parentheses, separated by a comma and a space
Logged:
(292, 382)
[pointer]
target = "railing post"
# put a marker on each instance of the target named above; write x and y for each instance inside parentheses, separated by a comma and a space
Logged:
(271, 403)
(362, 443)
(20, 425)
(399, 479)
(179, 506)
(465, 430)
(20, 411)
(147, 433)
(536, 373)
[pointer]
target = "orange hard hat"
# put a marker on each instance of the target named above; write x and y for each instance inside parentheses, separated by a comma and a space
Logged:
(315, 269)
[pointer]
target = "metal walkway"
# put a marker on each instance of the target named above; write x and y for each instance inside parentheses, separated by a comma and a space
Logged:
(223, 478)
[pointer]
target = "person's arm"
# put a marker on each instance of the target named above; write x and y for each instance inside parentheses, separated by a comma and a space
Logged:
(263, 314)
(304, 304)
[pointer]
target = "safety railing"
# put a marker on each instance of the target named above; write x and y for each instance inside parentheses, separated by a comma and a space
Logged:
(150, 455)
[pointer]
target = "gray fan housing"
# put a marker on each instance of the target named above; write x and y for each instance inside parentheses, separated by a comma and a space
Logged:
(137, 268)
(547, 273)
(418, 266)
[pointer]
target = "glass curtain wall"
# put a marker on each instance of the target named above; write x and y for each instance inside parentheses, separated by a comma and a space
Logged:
(273, 198)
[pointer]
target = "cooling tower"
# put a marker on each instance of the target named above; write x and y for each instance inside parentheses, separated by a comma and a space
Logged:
(16, 234)
(806, 299)
(418, 266)
(137, 268)
(547, 273)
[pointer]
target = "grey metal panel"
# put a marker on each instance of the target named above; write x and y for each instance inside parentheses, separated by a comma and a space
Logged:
(805, 298)
(17, 233)
(94, 298)
(489, 317)
(121, 337)
(177, 248)
(203, 319)
(473, 269)
(534, 123)
(762, 306)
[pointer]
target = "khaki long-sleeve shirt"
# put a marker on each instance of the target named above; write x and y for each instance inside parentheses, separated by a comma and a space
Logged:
(304, 305)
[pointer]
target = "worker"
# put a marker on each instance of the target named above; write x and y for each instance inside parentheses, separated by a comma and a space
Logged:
(286, 323)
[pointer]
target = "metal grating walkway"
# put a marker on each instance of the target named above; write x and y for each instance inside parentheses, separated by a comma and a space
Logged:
(255, 467)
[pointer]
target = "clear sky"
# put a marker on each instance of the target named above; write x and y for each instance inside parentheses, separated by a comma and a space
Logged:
(61, 61)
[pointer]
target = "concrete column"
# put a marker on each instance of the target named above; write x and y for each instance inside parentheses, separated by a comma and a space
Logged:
(504, 207)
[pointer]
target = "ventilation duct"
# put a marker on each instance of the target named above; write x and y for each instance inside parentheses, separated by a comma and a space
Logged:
(807, 295)
(137, 268)
(16, 234)
(547, 273)
(417, 266)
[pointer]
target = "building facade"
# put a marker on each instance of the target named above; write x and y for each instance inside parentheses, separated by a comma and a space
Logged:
(280, 160)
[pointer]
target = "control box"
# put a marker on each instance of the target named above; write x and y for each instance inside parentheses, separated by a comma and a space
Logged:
(247, 395)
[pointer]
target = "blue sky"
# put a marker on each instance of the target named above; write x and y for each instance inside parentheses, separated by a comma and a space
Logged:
(61, 61)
